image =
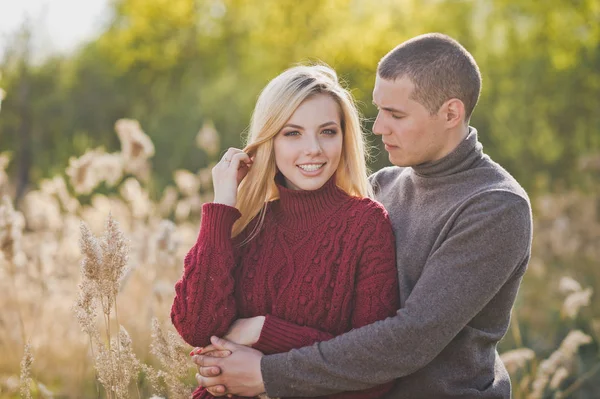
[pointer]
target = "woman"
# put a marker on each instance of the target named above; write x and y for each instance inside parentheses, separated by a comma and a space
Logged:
(292, 251)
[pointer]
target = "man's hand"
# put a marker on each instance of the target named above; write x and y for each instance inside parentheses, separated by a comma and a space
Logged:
(239, 372)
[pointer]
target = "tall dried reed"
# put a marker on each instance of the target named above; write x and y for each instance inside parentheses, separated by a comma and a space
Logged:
(26, 380)
(103, 266)
(557, 305)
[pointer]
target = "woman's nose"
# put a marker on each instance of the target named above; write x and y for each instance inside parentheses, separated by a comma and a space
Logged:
(313, 146)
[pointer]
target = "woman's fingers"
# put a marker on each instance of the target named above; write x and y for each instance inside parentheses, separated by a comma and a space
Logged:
(233, 160)
(230, 153)
(208, 348)
(226, 159)
(196, 350)
(228, 174)
(239, 166)
(240, 161)
(212, 351)
(217, 353)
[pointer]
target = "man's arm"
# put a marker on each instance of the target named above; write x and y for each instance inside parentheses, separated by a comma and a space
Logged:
(488, 244)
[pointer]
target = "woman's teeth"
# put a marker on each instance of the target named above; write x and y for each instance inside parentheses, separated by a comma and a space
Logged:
(311, 167)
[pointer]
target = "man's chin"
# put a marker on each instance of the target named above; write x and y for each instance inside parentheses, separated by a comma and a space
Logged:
(397, 162)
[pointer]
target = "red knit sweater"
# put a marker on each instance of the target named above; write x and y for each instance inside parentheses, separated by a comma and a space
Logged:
(322, 264)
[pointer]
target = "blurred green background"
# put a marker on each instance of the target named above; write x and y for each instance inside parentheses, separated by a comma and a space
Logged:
(175, 65)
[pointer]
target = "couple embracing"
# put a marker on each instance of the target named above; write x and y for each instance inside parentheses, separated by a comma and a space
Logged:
(309, 278)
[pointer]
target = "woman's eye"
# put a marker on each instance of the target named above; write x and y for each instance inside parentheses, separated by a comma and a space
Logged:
(330, 132)
(397, 116)
(292, 133)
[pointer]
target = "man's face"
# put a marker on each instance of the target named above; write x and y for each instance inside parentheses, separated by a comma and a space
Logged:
(411, 135)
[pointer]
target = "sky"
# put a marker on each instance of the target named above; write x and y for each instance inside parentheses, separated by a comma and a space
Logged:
(59, 25)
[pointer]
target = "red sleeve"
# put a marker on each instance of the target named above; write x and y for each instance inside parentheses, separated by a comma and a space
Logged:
(278, 335)
(376, 298)
(204, 303)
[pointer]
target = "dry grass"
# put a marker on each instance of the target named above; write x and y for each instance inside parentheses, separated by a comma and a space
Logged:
(25, 379)
(92, 313)
(558, 302)
(91, 326)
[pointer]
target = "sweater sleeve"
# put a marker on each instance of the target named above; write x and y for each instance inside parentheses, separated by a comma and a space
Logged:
(204, 303)
(376, 297)
(278, 335)
(488, 244)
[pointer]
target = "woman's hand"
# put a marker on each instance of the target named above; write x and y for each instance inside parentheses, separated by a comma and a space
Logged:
(245, 331)
(228, 174)
(242, 332)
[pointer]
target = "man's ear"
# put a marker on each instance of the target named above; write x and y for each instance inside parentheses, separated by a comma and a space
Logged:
(454, 112)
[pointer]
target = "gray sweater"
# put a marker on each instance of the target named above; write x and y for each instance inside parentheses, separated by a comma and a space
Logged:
(463, 238)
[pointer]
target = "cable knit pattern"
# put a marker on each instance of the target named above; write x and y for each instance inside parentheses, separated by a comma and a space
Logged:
(323, 264)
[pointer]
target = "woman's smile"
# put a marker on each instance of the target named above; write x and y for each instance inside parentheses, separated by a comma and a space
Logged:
(312, 169)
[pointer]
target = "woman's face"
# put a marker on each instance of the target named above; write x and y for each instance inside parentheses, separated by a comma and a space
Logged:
(309, 146)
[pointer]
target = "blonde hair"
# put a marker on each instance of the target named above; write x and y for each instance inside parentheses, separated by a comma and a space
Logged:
(275, 106)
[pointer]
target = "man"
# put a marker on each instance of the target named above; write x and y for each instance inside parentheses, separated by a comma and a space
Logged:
(463, 238)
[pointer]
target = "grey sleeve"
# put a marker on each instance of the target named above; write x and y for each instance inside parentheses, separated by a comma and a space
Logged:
(489, 242)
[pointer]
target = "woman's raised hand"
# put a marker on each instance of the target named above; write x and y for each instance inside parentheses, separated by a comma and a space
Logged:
(228, 174)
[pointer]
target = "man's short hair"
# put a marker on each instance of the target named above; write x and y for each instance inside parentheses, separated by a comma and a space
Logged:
(439, 67)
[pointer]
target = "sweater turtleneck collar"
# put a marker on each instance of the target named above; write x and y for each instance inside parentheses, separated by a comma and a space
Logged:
(461, 158)
(301, 209)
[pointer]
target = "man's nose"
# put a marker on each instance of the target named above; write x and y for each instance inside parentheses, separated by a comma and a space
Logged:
(378, 125)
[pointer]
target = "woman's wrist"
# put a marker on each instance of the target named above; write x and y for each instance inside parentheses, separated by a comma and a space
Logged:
(225, 201)
(260, 322)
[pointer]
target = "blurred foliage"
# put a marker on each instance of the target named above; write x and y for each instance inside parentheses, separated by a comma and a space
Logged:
(173, 65)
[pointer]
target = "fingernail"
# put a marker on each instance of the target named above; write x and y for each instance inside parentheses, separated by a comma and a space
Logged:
(196, 351)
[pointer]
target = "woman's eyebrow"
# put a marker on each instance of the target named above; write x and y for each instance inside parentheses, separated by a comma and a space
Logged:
(328, 123)
(293, 126)
(300, 127)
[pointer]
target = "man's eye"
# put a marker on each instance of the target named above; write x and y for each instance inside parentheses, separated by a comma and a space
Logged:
(397, 116)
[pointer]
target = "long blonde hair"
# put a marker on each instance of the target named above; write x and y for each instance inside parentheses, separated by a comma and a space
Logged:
(275, 106)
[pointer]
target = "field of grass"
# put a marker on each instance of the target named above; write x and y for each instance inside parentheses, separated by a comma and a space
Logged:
(87, 279)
